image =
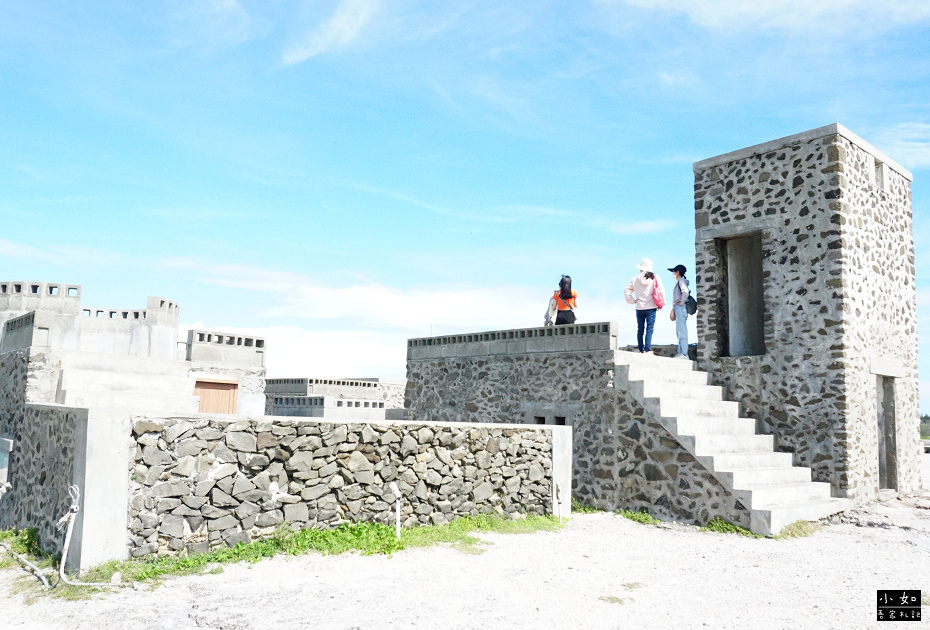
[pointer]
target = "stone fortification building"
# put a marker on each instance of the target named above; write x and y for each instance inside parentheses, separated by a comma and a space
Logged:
(803, 398)
(805, 280)
(166, 440)
(345, 398)
(71, 376)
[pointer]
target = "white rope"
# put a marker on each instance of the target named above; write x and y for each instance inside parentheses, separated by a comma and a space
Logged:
(68, 519)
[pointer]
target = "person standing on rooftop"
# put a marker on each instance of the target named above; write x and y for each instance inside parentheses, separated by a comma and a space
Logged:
(679, 310)
(642, 291)
(562, 304)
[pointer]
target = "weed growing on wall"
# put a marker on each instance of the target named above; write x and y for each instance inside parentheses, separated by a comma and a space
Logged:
(798, 529)
(640, 517)
(581, 508)
(720, 526)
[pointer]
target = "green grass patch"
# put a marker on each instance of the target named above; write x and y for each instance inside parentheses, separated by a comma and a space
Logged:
(640, 517)
(362, 538)
(798, 529)
(611, 599)
(721, 526)
(580, 508)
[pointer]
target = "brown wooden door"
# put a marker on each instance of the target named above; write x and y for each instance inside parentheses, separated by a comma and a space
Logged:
(216, 397)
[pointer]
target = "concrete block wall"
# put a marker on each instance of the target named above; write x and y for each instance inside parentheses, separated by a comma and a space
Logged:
(837, 284)
(327, 407)
(206, 481)
(224, 348)
(578, 337)
(18, 297)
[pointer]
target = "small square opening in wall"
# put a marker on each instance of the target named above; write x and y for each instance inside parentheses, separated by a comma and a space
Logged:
(560, 421)
(259, 343)
(53, 290)
(2, 288)
(339, 403)
(86, 312)
(539, 419)
(100, 313)
(34, 289)
(72, 291)
(17, 288)
(880, 174)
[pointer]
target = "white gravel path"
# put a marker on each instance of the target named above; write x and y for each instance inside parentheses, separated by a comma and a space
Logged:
(600, 571)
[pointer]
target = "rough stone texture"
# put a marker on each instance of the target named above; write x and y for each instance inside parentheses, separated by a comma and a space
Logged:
(321, 475)
(838, 284)
(621, 459)
(42, 462)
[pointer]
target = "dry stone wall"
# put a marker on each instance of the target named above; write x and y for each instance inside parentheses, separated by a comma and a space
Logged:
(204, 481)
(837, 278)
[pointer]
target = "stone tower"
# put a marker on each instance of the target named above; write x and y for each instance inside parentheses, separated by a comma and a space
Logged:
(807, 303)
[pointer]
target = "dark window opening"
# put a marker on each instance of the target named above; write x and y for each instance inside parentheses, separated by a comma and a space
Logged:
(741, 302)
(539, 419)
(887, 438)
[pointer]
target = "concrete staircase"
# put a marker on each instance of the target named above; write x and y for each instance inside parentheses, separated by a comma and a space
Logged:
(141, 384)
(678, 396)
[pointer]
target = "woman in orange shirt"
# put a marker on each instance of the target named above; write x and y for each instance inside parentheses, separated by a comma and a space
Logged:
(563, 301)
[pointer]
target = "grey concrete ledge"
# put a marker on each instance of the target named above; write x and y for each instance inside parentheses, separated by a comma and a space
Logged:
(595, 336)
(804, 136)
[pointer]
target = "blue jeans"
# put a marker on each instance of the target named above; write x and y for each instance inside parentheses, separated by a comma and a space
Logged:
(681, 328)
(645, 318)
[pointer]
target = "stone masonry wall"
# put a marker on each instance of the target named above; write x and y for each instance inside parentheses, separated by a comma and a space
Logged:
(784, 195)
(837, 277)
(204, 481)
(620, 459)
(879, 316)
(42, 461)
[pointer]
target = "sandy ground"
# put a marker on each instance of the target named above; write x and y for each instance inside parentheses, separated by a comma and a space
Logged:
(600, 571)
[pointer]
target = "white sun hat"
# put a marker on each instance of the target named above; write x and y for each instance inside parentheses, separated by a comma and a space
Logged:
(645, 265)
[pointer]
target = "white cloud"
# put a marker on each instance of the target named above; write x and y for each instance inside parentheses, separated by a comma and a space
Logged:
(60, 254)
(907, 143)
(15, 250)
(641, 227)
(806, 15)
(291, 351)
(212, 22)
(336, 33)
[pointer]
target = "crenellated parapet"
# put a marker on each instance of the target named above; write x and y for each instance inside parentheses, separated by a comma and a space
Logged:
(226, 348)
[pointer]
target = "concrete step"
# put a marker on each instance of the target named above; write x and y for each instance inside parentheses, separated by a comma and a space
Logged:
(672, 407)
(717, 444)
(622, 357)
(761, 497)
(747, 478)
(699, 425)
(657, 373)
(99, 362)
(741, 461)
(771, 520)
(74, 379)
(138, 401)
(655, 389)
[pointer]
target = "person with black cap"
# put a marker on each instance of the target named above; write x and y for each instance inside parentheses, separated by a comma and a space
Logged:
(679, 312)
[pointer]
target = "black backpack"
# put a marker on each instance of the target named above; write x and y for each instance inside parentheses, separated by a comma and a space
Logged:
(691, 305)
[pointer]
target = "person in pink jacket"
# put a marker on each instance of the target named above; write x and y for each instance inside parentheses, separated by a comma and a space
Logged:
(642, 291)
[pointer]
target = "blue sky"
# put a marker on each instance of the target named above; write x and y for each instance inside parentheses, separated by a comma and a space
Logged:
(340, 175)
